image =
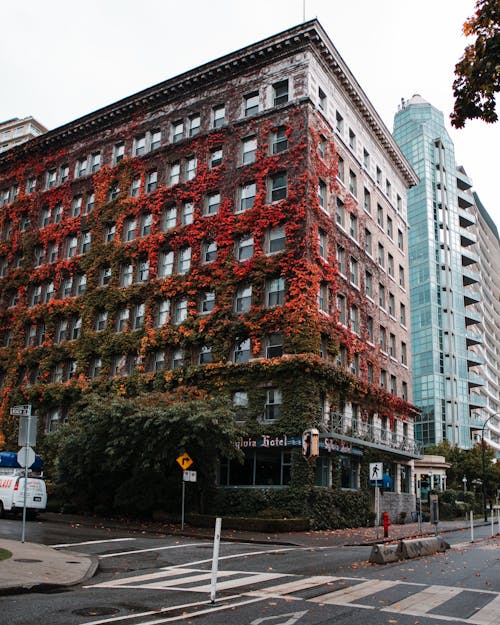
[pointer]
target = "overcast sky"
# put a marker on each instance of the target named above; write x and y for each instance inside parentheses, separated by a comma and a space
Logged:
(61, 59)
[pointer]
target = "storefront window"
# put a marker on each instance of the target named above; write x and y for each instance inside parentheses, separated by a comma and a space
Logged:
(261, 467)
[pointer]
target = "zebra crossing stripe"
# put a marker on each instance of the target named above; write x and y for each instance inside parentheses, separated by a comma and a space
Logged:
(348, 596)
(244, 581)
(489, 615)
(297, 585)
(422, 602)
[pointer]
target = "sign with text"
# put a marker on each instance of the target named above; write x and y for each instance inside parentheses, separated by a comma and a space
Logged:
(189, 476)
(21, 411)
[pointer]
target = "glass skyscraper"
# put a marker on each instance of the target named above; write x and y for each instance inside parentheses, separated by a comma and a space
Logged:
(442, 259)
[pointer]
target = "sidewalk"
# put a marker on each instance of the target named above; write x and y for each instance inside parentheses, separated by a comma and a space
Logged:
(34, 566)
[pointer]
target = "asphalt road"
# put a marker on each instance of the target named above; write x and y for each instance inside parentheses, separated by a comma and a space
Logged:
(148, 579)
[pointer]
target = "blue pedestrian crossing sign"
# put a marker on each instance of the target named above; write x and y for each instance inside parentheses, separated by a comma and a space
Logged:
(376, 473)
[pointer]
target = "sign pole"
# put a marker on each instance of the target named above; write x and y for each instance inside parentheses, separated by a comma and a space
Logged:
(183, 496)
(23, 535)
(377, 513)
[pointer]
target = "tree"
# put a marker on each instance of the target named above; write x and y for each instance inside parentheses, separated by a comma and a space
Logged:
(120, 454)
(477, 72)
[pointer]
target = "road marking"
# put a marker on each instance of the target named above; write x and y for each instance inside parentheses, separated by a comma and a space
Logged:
(488, 615)
(236, 555)
(347, 596)
(283, 590)
(135, 551)
(421, 602)
(294, 617)
(91, 542)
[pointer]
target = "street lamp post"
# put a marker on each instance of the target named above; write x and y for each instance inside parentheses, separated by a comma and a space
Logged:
(483, 462)
(464, 482)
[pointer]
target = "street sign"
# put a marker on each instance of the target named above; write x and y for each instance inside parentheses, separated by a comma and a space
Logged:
(376, 471)
(184, 461)
(27, 430)
(21, 411)
(189, 476)
(26, 457)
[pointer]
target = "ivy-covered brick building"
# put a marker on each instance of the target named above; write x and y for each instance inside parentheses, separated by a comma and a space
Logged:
(240, 228)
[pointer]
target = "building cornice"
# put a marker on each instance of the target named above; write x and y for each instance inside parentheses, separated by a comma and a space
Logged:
(309, 35)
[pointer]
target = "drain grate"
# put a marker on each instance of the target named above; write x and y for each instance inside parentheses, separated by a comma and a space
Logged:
(26, 560)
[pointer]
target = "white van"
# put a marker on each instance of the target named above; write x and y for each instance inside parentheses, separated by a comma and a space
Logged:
(12, 494)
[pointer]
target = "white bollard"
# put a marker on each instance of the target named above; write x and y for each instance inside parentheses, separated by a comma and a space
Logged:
(492, 525)
(471, 526)
(215, 559)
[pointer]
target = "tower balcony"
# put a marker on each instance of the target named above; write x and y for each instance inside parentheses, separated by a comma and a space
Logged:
(463, 181)
(468, 257)
(464, 199)
(470, 277)
(474, 380)
(466, 219)
(471, 297)
(473, 338)
(476, 400)
(474, 359)
(467, 237)
(472, 317)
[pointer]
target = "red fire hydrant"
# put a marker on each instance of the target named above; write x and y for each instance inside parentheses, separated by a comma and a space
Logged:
(386, 523)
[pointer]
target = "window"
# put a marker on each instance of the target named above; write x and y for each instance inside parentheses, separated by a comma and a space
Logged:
(390, 265)
(190, 171)
(389, 227)
(162, 312)
(158, 360)
(209, 252)
(118, 152)
(368, 284)
(279, 140)
(155, 139)
(339, 122)
(122, 320)
(67, 287)
(366, 159)
(388, 189)
(31, 185)
(367, 201)
(177, 360)
(52, 252)
(241, 351)
(184, 260)
(187, 213)
(369, 328)
(399, 203)
(379, 175)
(322, 194)
(207, 302)
(383, 339)
(251, 103)
(380, 216)
(273, 345)
(151, 180)
(215, 157)
(175, 173)
(95, 162)
(380, 255)
(322, 146)
(145, 224)
(180, 311)
(109, 233)
(89, 204)
(244, 248)
(249, 150)
(129, 228)
(105, 276)
(392, 345)
(392, 304)
(243, 299)
(138, 316)
(368, 242)
(272, 408)
(322, 244)
(400, 240)
(194, 125)
(61, 331)
(247, 196)
(393, 392)
(381, 295)
(341, 259)
(71, 246)
(340, 169)
(49, 292)
(177, 131)
(143, 271)
(140, 145)
(114, 192)
(205, 356)
(353, 226)
(275, 292)
(340, 215)
(165, 263)
(404, 358)
(212, 203)
(81, 283)
(81, 167)
(401, 276)
(45, 217)
(100, 323)
(354, 277)
(169, 218)
(352, 139)
(86, 240)
(321, 99)
(279, 188)
(126, 275)
(402, 314)
(76, 327)
(76, 206)
(280, 92)
(352, 183)
(404, 392)
(219, 116)
(323, 297)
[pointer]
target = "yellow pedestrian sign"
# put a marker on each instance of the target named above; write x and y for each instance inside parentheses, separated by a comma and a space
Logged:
(185, 461)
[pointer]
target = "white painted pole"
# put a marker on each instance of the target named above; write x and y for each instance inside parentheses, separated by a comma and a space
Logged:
(215, 559)
(471, 526)
(28, 441)
(492, 525)
(498, 519)
(183, 496)
(377, 512)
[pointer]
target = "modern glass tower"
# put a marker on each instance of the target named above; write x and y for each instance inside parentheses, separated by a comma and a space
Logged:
(442, 277)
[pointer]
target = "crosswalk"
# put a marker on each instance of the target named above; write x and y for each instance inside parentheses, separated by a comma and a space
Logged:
(474, 607)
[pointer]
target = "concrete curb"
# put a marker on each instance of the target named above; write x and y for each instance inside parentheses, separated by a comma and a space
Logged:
(407, 549)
